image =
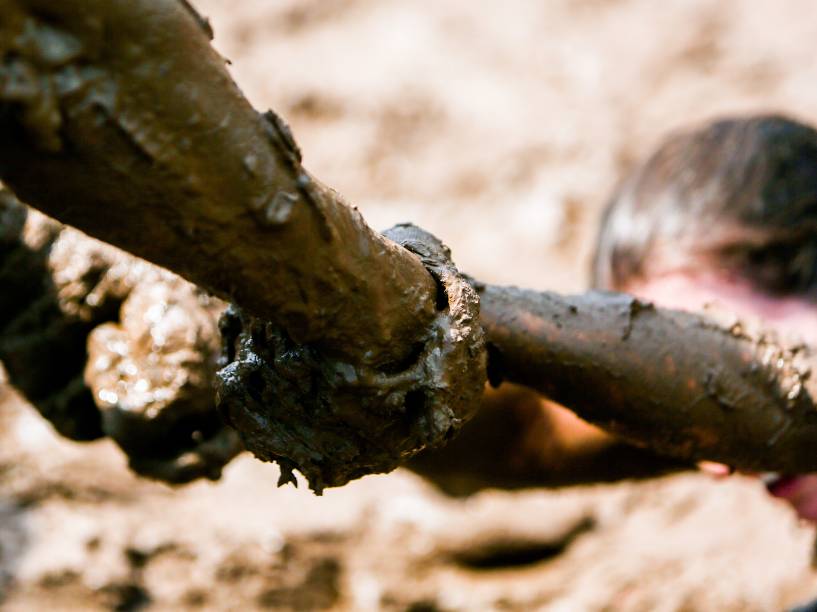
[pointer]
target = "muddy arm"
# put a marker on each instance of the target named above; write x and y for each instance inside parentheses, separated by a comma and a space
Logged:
(117, 117)
(673, 382)
(518, 440)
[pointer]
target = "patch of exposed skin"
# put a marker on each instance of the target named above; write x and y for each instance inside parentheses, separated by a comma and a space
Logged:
(334, 420)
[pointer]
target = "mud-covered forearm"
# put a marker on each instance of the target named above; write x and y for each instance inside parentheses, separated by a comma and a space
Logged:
(675, 382)
(119, 118)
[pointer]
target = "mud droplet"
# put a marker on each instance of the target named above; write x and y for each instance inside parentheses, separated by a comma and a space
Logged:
(767, 357)
(54, 48)
(285, 133)
(251, 164)
(795, 391)
(634, 308)
(736, 329)
(279, 209)
(109, 397)
(202, 21)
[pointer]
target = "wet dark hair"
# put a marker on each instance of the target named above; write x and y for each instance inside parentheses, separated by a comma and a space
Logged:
(740, 192)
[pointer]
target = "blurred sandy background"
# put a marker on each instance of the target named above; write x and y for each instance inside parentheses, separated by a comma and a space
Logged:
(501, 127)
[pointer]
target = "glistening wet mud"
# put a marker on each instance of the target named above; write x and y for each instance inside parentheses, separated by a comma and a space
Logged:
(107, 345)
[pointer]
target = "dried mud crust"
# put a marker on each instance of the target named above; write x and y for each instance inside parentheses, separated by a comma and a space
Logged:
(336, 421)
(103, 343)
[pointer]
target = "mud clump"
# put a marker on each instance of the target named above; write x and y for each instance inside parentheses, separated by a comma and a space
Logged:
(103, 343)
(335, 421)
(151, 375)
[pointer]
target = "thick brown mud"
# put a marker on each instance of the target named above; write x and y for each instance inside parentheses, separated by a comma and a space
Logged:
(105, 344)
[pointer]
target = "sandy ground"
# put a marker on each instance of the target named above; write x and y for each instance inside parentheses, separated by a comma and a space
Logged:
(500, 126)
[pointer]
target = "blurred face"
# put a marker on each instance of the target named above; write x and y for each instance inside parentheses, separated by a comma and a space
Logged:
(694, 290)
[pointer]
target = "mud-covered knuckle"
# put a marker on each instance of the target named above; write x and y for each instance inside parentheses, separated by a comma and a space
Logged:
(151, 376)
(335, 421)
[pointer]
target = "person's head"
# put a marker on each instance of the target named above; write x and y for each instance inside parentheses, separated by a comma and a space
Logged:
(725, 213)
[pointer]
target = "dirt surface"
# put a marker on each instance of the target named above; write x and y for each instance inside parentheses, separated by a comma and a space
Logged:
(426, 112)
